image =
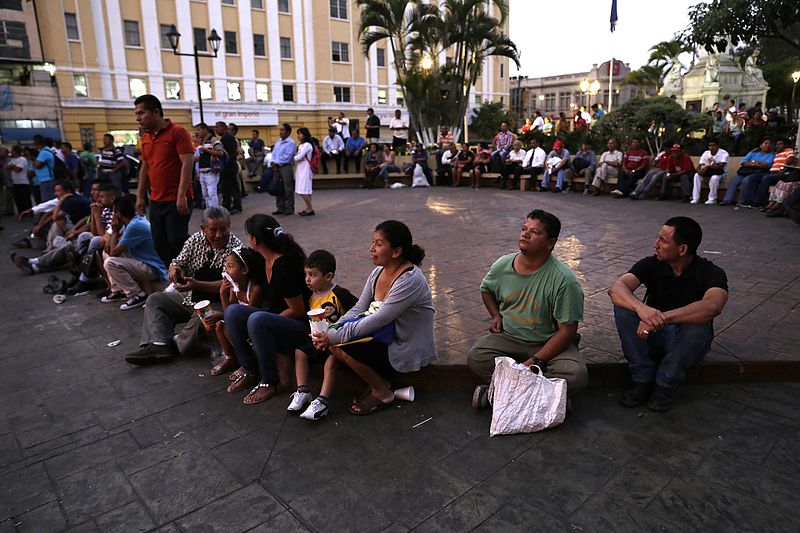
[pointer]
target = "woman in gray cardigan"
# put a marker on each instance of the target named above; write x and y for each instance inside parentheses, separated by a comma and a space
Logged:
(396, 313)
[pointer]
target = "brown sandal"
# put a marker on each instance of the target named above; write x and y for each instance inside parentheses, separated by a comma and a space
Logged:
(245, 381)
(252, 399)
(369, 405)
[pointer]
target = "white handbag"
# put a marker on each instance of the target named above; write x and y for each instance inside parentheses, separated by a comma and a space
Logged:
(523, 399)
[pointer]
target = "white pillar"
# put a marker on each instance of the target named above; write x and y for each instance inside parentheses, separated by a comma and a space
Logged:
(311, 67)
(118, 50)
(273, 39)
(186, 46)
(298, 42)
(102, 49)
(220, 82)
(152, 48)
(246, 52)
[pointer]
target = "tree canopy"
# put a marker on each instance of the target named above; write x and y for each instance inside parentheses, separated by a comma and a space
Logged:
(717, 24)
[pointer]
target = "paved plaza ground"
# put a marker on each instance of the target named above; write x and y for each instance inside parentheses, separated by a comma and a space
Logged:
(88, 443)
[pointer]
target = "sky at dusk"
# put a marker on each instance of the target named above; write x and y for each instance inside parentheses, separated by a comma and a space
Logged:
(570, 35)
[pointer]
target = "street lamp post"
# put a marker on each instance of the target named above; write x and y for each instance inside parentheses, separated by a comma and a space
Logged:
(795, 79)
(214, 40)
(590, 87)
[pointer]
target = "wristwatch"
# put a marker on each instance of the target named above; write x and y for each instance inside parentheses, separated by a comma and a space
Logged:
(538, 362)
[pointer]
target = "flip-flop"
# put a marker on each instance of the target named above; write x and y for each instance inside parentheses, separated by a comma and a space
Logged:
(224, 366)
(270, 393)
(369, 405)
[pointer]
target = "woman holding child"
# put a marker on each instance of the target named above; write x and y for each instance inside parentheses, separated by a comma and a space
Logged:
(283, 325)
(395, 311)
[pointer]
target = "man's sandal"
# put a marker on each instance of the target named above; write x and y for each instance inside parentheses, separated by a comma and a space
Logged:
(243, 382)
(252, 399)
(369, 405)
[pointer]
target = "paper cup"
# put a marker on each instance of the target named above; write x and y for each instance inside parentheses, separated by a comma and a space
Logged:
(204, 311)
(316, 314)
(406, 394)
(319, 326)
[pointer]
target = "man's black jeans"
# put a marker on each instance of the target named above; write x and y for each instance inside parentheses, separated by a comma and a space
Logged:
(169, 228)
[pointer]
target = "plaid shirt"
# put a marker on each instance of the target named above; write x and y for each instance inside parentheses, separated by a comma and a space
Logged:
(197, 254)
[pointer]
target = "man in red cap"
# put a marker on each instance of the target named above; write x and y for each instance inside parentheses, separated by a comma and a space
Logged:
(634, 166)
(679, 166)
(556, 163)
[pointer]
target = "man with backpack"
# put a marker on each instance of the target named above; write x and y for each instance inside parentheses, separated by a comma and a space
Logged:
(672, 328)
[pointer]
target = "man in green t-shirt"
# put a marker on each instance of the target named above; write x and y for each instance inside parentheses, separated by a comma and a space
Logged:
(535, 302)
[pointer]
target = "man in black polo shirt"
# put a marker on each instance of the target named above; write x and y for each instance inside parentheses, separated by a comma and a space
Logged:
(228, 177)
(672, 328)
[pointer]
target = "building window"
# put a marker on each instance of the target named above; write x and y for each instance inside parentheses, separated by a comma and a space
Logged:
(230, 43)
(286, 48)
(234, 92)
(380, 56)
(172, 89)
(340, 52)
(262, 92)
(341, 94)
(401, 101)
(257, 4)
(200, 41)
(80, 86)
(71, 22)
(13, 5)
(283, 6)
(137, 86)
(564, 100)
(228, 2)
(206, 92)
(259, 46)
(550, 102)
(339, 9)
(163, 30)
(132, 37)
(382, 96)
(288, 93)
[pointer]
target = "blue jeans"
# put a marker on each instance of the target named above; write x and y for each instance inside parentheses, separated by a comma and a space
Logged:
(268, 332)
(755, 187)
(666, 354)
(732, 186)
(560, 174)
(384, 173)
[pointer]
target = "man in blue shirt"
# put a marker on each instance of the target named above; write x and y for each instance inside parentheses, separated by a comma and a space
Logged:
(282, 164)
(353, 148)
(131, 261)
(44, 166)
(758, 160)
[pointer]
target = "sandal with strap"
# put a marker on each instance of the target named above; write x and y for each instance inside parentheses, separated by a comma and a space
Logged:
(251, 398)
(227, 364)
(243, 382)
(369, 405)
(237, 374)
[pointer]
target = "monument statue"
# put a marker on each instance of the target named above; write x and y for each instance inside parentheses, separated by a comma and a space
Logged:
(712, 69)
(751, 69)
(673, 79)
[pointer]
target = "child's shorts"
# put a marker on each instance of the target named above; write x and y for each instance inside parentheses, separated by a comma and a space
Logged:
(314, 356)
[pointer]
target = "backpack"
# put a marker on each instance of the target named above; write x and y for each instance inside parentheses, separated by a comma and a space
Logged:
(59, 170)
(314, 160)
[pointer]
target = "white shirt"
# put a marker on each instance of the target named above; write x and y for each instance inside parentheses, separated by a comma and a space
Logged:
(45, 207)
(720, 157)
(534, 158)
(398, 125)
(447, 157)
(607, 156)
(516, 155)
(330, 144)
(21, 177)
(538, 124)
(587, 117)
(344, 127)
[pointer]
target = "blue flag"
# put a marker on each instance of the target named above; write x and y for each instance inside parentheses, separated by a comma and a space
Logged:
(613, 15)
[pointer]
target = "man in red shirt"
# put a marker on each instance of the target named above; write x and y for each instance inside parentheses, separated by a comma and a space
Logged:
(635, 163)
(166, 175)
(678, 166)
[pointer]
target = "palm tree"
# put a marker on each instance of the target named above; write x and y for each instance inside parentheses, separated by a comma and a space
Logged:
(665, 52)
(416, 30)
(645, 77)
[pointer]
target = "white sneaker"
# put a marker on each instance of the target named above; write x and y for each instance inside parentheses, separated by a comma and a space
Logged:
(711, 202)
(315, 411)
(299, 401)
(616, 192)
(695, 202)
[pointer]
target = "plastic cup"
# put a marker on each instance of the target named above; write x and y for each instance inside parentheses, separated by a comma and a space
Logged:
(317, 320)
(204, 311)
(406, 394)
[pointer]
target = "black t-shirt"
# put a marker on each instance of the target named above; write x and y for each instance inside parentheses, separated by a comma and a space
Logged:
(288, 280)
(373, 126)
(229, 144)
(666, 292)
(75, 208)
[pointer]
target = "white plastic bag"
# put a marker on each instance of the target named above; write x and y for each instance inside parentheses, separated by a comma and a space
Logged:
(419, 179)
(524, 400)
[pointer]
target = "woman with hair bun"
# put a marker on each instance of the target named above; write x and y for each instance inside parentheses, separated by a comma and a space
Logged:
(390, 329)
(283, 325)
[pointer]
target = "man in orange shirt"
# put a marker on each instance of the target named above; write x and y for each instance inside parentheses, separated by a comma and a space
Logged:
(165, 175)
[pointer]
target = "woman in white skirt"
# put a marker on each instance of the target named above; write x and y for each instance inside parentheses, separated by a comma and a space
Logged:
(302, 169)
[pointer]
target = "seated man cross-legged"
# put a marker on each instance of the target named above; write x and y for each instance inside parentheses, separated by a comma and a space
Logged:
(535, 302)
(672, 329)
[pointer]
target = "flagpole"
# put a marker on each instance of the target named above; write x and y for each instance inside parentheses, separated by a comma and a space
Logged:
(613, 19)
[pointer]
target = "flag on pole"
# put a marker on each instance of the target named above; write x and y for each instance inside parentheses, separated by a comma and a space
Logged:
(613, 15)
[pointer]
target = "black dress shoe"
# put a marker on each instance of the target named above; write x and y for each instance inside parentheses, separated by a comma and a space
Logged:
(150, 355)
(660, 400)
(636, 395)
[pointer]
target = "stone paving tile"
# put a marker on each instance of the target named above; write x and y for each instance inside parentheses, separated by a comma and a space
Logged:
(44, 519)
(128, 518)
(93, 492)
(238, 511)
